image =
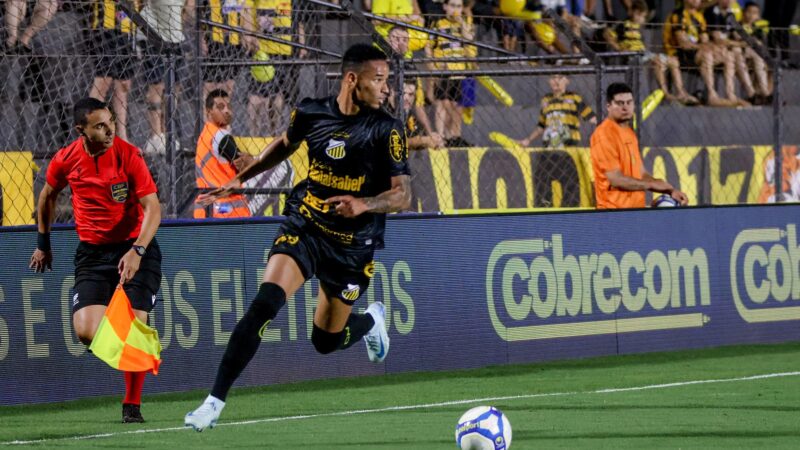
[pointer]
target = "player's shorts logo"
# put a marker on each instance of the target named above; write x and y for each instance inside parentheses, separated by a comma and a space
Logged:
(119, 191)
(335, 149)
(351, 293)
(396, 148)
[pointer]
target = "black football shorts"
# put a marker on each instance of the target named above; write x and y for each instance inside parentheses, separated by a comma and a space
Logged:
(97, 275)
(343, 271)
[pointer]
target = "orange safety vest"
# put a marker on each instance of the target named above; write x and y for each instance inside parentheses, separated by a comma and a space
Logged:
(212, 171)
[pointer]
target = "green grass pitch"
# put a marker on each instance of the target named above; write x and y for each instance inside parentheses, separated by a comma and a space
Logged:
(693, 399)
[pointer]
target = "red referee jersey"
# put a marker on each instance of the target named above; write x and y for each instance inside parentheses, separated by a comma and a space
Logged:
(105, 189)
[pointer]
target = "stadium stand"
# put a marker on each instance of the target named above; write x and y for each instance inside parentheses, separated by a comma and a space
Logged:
(700, 145)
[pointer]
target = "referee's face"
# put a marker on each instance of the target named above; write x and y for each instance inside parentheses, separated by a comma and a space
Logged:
(99, 129)
(372, 85)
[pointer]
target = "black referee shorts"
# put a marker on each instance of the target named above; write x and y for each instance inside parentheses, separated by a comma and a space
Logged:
(343, 272)
(97, 275)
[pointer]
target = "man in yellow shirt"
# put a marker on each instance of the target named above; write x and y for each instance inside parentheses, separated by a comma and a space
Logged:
(619, 175)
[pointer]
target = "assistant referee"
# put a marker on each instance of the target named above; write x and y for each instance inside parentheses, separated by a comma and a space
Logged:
(117, 214)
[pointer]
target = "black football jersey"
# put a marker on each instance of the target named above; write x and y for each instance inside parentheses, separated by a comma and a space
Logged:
(347, 155)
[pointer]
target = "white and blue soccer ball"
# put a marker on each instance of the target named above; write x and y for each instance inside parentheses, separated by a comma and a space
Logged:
(665, 201)
(483, 428)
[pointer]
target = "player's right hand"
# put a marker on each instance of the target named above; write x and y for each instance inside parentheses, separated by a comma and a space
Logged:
(41, 261)
(220, 192)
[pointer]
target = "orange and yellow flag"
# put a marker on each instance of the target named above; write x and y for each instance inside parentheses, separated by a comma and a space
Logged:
(123, 341)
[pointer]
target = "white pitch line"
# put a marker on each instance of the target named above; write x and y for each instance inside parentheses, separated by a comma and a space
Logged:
(421, 406)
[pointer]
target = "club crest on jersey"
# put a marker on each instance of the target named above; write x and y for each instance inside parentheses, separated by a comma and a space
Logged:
(351, 293)
(335, 149)
(119, 191)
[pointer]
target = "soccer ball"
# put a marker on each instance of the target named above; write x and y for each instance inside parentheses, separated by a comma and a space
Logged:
(483, 428)
(665, 201)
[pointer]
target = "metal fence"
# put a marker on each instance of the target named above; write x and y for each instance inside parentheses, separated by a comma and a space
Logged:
(154, 63)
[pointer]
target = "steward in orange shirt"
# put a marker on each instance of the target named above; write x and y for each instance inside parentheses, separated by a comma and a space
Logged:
(619, 176)
(218, 159)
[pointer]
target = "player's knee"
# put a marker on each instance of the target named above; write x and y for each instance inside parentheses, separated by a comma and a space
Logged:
(269, 300)
(325, 342)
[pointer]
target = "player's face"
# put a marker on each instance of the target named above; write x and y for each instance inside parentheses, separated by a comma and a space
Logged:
(398, 40)
(558, 84)
(372, 87)
(99, 129)
(221, 113)
(620, 109)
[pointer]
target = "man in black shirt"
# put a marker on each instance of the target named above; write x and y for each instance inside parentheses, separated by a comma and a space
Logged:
(358, 172)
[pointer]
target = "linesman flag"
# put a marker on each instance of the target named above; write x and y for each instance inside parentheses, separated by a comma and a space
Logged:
(123, 341)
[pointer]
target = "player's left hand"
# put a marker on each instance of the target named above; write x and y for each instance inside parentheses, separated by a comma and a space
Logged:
(128, 266)
(347, 205)
(680, 197)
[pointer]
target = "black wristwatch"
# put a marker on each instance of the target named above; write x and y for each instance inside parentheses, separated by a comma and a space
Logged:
(140, 250)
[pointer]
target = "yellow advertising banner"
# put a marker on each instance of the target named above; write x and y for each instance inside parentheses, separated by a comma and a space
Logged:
(497, 179)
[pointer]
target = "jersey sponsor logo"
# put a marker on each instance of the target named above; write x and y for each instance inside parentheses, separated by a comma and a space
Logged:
(75, 299)
(335, 149)
(324, 175)
(351, 293)
(396, 146)
(119, 191)
(345, 238)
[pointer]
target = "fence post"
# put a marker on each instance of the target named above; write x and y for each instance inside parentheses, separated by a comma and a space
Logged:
(169, 132)
(600, 81)
(777, 130)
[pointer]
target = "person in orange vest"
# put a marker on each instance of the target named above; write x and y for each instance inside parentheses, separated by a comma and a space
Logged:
(218, 159)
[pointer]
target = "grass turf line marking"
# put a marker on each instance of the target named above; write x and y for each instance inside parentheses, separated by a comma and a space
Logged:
(420, 406)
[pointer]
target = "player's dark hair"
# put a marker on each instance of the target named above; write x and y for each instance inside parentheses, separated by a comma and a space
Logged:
(84, 107)
(358, 54)
(216, 93)
(749, 4)
(617, 88)
(639, 6)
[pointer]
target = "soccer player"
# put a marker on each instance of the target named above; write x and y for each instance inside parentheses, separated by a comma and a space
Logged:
(358, 172)
(117, 214)
(619, 175)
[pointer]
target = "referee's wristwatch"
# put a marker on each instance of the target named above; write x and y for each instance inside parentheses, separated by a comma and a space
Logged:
(139, 249)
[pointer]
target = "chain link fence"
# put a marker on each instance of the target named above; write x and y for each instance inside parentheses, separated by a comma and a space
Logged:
(494, 126)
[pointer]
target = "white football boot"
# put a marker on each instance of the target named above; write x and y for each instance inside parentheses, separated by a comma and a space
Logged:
(206, 415)
(377, 338)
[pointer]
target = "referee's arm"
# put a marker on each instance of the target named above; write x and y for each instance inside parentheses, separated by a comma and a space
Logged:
(129, 263)
(42, 258)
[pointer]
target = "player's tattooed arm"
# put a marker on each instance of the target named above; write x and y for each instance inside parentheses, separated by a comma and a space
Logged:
(398, 198)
